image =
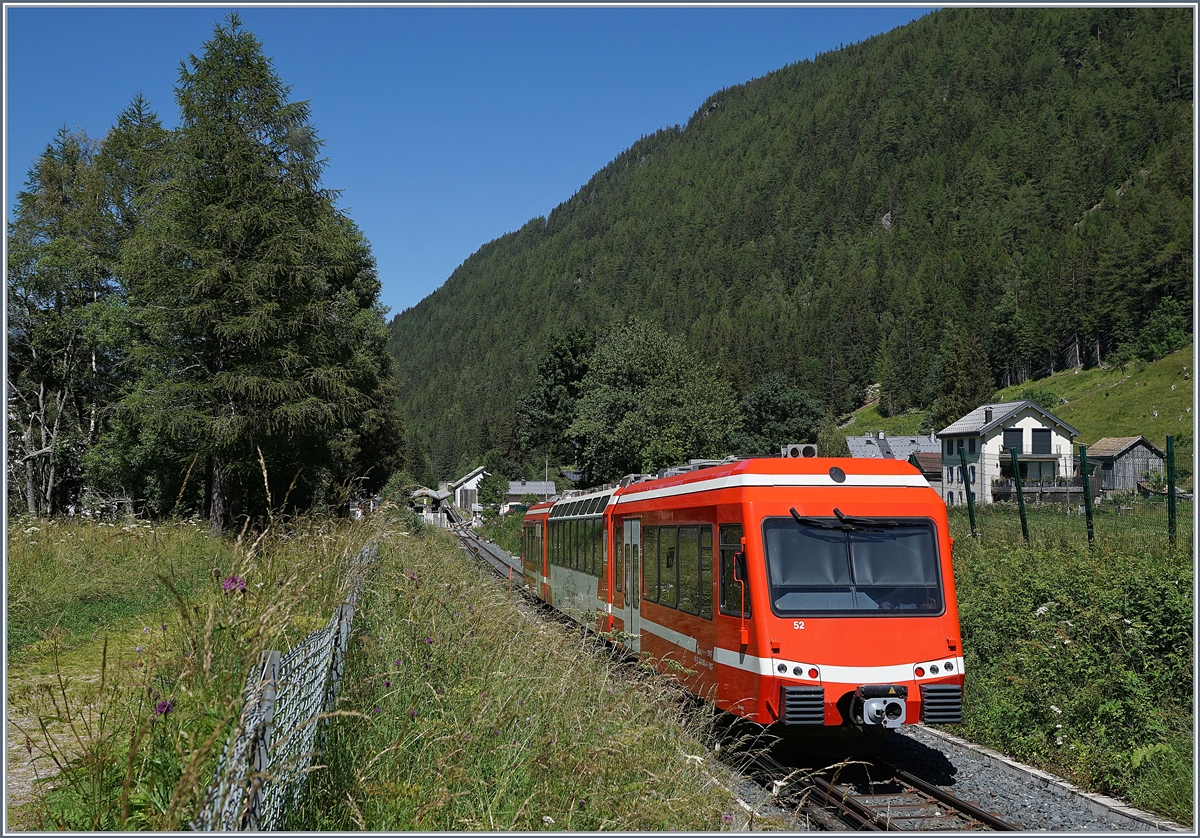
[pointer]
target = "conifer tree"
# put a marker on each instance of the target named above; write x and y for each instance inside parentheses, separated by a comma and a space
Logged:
(260, 338)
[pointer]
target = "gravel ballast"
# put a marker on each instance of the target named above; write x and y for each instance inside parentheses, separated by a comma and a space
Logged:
(1020, 794)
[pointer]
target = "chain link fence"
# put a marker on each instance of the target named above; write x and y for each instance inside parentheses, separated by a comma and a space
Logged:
(260, 776)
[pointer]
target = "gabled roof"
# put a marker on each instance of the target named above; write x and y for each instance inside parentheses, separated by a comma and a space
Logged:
(927, 462)
(976, 422)
(474, 473)
(890, 447)
(1115, 446)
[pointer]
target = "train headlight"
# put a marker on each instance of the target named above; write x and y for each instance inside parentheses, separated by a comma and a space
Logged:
(948, 666)
(797, 671)
(782, 668)
(933, 669)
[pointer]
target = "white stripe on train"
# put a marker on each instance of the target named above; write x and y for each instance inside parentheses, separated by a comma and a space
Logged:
(910, 481)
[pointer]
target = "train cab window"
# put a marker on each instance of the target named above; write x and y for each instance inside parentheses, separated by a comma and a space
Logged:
(859, 568)
(650, 563)
(731, 589)
(688, 555)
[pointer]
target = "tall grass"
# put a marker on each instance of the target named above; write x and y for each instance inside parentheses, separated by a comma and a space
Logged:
(473, 714)
(128, 738)
(1079, 659)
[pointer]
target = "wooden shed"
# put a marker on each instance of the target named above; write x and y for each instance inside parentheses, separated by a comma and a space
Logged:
(1121, 461)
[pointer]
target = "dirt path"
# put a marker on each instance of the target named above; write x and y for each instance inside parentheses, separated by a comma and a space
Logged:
(34, 695)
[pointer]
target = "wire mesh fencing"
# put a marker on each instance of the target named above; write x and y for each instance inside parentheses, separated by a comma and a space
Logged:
(260, 775)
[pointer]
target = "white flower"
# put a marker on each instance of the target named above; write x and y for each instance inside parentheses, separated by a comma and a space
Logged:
(33, 529)
(1042, 609)
(547, 819)
(1055, 709)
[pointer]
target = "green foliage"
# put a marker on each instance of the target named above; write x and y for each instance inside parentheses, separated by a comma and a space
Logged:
(776, 414)
(966, 379)
(1042, 397)
(1024, 175)
(647, 404)
(1165, 331)
(1079, 660)
(548, 409)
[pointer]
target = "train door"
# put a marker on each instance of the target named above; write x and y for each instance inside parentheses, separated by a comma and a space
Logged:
(632, 543)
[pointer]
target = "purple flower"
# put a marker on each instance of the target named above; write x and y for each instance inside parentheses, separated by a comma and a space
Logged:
(412, 713)
(727, 818)
(164, 707)
(397, 661)
(378, 709)
(428, 639)
(386, 684)
(145, 629)
(233, 583)
(138, 650)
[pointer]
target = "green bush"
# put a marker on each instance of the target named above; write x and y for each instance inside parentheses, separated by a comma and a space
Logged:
(1080, 661)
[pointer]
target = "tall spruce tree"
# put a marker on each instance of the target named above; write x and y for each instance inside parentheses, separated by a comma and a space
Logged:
(260, 337)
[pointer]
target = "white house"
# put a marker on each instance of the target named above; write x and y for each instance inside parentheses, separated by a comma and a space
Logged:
(989, 434)
(465, 490)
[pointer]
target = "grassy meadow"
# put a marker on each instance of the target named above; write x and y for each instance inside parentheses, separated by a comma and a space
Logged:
(128, 645)
(458, 709)
(472, 713)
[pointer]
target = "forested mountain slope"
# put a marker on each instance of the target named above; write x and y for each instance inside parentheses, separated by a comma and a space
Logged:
(984, 193)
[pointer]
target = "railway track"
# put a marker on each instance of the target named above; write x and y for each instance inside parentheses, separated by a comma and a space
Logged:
(869, 795)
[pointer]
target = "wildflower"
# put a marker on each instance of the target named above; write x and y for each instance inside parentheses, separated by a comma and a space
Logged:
(546, 819)
(138, 650)
(728, 818)
(412, 713)
(378, 709)
(233, 583)
(1055, 709)
(397, 661)
(386, 684)
(164, 707)
(428, 639)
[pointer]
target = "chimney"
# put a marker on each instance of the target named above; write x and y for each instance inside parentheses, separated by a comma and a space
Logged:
(987, 414)
(881, 435)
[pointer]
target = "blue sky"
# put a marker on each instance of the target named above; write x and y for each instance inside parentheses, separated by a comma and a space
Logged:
(444, 128)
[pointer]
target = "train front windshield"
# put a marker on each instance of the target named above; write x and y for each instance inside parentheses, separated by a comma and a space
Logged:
(817, 568)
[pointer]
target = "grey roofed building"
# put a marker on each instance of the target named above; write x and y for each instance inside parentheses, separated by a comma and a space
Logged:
(518, 489)
(1125, 460)
(881, 446)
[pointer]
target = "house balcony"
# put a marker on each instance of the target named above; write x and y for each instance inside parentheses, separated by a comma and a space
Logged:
(1045, 490)
(1032, 451)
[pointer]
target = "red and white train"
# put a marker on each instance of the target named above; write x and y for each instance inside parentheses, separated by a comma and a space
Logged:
(814, 594)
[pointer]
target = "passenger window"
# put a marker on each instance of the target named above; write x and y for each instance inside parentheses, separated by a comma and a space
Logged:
(706, 572)
(688, 555)
(667, 567)
(731, 590)
(650, 558)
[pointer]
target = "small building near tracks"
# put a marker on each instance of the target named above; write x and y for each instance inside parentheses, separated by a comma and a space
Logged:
(1123, 461)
